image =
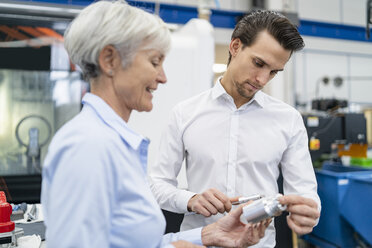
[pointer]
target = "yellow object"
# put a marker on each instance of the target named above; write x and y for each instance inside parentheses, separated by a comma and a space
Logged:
(353, 150)
(314, 144)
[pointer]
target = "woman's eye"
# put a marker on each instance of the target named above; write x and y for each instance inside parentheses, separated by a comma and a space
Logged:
(274, 72)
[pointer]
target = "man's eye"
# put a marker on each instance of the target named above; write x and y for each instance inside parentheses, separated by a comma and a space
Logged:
(257, 63)
(274, 72)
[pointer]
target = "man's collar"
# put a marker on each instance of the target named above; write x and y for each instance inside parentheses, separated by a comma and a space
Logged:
(218, 90)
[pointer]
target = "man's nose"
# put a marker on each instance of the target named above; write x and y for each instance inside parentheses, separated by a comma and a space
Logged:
(263, 77)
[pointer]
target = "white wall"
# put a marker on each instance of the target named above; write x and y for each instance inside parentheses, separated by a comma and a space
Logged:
(237, 5)
(188, 67)
(349, 12)
(332, 57)
(326, 57)
(321, 57)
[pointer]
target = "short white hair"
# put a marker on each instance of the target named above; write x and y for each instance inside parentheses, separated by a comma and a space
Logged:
(116, 23)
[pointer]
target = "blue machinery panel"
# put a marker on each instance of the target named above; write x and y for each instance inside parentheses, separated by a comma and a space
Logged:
(227, 19)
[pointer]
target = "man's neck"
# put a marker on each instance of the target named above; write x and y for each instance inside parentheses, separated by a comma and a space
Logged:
(230, 89)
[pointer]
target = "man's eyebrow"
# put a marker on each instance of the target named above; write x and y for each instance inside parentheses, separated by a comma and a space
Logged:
(264, 62)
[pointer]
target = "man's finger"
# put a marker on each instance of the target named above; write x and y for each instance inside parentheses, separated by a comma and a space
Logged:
(215, 204)
(218, 203)
(304, 210)
(296, 199)
(301, 220)
(224, 200)
(218, 199)
(298, 229)
(209, 207)
(234, 199)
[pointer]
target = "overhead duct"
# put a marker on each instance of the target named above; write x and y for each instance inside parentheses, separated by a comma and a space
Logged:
(55, 16)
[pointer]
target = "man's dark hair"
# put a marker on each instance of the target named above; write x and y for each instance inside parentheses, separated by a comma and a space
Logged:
(274, 23)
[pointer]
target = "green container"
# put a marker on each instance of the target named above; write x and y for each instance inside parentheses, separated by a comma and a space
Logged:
(363, 162)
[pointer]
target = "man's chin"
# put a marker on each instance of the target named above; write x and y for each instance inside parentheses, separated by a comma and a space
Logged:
(248, 95)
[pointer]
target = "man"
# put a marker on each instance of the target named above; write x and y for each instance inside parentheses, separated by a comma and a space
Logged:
(234, 137)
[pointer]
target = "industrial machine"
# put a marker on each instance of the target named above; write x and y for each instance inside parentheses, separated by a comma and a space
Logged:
(344, 191)
(335, 134)
(39, 92)
(33, 105)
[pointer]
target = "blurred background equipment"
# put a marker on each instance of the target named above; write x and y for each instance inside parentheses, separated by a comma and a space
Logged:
(34, 144)
(39, 91)
(33, 105)
(334, 134)
(369, 18)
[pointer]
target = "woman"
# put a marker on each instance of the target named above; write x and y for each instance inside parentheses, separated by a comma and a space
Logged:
(94, 191)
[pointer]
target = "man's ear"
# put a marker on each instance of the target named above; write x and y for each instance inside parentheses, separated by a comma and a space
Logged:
(235, 46)
(108, 60)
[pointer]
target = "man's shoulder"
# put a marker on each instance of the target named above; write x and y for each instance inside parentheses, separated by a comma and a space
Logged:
(277, 104)
(195, 100)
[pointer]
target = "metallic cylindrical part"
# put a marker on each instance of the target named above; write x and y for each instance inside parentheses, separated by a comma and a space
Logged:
(262, 209)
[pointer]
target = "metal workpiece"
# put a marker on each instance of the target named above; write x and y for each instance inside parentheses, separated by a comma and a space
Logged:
(245, 199)
(262, 209)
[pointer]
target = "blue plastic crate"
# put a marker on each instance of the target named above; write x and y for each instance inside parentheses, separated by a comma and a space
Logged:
(356, 205)
(338, 167)
(333, 183)
(331, 189)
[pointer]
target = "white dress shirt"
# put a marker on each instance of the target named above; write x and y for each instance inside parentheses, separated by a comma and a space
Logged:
(237, 151)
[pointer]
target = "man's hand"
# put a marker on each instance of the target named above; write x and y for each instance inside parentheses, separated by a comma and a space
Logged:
(303, 213)
(230, 232)
(210, 202)
(185, 244)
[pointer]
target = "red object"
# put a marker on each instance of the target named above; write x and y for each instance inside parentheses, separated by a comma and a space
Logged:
(5, 211)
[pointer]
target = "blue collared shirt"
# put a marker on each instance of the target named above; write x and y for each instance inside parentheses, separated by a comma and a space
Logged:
(94, 189)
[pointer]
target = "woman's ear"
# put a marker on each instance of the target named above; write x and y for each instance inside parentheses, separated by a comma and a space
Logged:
(108, 60)
(235, 46)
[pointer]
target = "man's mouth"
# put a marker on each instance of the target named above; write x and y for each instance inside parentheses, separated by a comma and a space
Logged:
(253, 86)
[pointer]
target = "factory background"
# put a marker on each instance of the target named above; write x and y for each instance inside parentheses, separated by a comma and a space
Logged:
(329, 82)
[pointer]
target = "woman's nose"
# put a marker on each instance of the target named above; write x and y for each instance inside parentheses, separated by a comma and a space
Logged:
(162, 78)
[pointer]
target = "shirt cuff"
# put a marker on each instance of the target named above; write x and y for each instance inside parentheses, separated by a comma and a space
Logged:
(182, 199)
(193, 236)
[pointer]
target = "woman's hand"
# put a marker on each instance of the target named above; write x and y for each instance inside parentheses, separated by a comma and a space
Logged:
(229, 231)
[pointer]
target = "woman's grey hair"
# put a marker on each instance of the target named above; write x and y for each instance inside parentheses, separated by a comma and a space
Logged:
(128, 29)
